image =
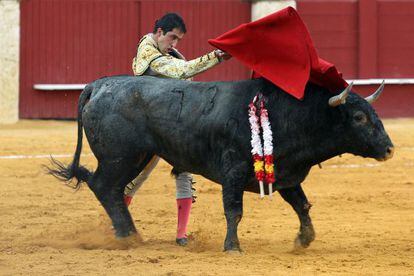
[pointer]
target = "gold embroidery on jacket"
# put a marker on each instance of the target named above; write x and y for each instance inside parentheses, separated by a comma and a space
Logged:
(148, 56)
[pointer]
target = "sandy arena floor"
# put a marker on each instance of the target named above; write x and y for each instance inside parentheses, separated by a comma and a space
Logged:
(363, 213)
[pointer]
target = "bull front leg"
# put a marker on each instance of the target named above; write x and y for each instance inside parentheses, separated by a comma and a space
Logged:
(233, 188)
(297, 199)
(233, 210)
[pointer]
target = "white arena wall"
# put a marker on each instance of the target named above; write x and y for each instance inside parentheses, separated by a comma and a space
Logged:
(9, 60)
(261, 8)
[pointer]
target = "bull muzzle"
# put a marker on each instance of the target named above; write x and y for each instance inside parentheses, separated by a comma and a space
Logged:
(388, 155)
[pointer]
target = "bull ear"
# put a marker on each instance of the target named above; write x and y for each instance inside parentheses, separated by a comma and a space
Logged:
(376, 94)
(341, 98)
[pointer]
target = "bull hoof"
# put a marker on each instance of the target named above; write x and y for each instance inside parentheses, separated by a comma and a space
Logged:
(232, 248)
(124, 234)
(304, 238)
(132, 241)
(299, 245)
(234, 252)
(182, 241)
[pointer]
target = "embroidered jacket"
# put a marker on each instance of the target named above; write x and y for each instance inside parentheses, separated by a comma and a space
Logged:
(150, 61)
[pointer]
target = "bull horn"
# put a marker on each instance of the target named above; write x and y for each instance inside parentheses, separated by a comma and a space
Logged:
(376, 94)
(341, 98)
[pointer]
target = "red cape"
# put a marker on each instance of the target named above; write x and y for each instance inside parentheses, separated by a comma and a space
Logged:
(279, 48)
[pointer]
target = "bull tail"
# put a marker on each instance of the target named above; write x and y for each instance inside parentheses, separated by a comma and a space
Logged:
(74, 170)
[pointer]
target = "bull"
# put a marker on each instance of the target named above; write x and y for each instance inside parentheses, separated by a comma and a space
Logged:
(203, 128)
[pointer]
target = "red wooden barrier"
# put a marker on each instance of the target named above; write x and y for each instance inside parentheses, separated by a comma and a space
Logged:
(77, 41)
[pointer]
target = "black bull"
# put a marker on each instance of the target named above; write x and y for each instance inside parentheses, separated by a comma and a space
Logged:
(203, 128)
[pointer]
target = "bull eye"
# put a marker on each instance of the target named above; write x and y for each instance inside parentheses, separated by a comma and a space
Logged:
(360, 117)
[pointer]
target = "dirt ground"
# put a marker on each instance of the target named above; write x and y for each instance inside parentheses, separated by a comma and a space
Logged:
(363, 213)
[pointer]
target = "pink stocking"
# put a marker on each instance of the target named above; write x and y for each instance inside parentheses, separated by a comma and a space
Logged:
(183, 210)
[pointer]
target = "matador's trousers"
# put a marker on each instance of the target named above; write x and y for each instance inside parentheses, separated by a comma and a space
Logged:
(183, 181)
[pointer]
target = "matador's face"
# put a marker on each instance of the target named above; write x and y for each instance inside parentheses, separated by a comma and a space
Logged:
(169, 40)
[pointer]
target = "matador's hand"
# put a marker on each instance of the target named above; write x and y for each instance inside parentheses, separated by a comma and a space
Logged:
(221, 55)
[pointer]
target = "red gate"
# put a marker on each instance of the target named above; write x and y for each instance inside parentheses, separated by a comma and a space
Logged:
(368, 39)
(77, 41)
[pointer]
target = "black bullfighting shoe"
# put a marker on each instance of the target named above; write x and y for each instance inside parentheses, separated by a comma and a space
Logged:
(182, 241)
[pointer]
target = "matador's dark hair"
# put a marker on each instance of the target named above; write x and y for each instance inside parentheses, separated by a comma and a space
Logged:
(168, 22)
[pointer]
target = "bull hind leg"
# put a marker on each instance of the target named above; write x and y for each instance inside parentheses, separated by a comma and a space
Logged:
(108, 184)
(297, 199)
